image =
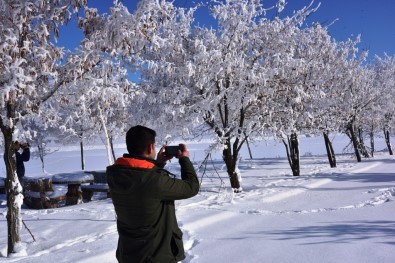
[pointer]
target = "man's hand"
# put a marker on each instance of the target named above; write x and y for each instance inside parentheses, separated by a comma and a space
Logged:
(183, 152)
(25, 146)
(162, 157)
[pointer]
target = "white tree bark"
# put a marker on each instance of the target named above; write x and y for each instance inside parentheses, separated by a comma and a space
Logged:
(106, 136)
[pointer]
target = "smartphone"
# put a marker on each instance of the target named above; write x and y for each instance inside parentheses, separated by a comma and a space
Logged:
(172, 150)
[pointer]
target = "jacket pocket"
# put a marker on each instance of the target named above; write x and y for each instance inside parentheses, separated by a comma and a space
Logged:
(177, 247)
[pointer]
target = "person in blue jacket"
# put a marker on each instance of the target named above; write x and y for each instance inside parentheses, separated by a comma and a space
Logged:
(21, 157)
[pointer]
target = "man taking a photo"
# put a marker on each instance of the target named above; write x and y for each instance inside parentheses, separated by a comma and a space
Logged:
(143, 195)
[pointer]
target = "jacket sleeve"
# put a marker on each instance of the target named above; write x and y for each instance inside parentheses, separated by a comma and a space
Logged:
(174, 189)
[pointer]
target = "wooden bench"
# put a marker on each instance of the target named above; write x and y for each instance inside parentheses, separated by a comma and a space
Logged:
(89, 190)
(74, 181)
(39, 193)
(99, 185)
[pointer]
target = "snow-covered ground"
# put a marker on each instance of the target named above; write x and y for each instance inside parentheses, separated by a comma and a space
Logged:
(345, 214)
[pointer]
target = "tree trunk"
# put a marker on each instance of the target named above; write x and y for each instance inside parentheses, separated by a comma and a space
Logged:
(371, 134)
(354, 141)
(388, 140)
(361, 144)
(106, 136)
(292, 148)
(249, 149)
(82, 154)
(329, 150)
(41, 153)
(13, 191)
(112, 148)
(231, 165)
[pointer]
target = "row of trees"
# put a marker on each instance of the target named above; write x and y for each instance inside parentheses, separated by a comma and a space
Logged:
(251, 77)
(246, 78)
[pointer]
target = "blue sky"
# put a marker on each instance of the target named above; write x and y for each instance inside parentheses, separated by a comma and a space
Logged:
(373, 19)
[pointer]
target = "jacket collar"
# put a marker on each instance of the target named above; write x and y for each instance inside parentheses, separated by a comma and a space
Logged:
(136, 161)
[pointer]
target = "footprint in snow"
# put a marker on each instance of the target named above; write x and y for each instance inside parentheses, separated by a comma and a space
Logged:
(189, 243)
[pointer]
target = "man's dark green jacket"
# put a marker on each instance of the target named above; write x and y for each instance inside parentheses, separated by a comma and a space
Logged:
(143, 195)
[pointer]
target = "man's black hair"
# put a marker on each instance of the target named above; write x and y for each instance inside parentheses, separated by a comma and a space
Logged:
(138, 138)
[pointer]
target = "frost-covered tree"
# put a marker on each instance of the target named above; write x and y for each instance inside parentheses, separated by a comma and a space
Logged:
(346, 92)
(326, 72)
(41, 130)
(223, 77)
(75, 122)
(159, 36)
(209, 76)
(382, 115)
(31, 73)
(358, 95)
(129, 38)
(296, 88)
(100, 100)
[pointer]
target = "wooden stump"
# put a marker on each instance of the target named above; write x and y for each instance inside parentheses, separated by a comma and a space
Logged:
(34, 192)
(74, 195)
(38, 194)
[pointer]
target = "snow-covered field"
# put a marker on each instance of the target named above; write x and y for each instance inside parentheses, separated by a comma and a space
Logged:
(345, 214)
